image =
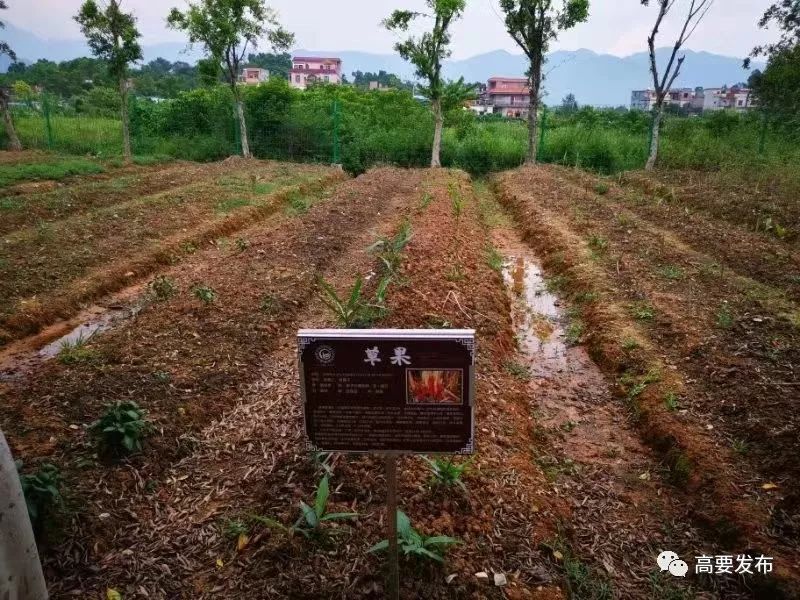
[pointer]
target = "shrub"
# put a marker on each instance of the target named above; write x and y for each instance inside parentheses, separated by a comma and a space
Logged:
(122, 429)
(412, 543)
(42, 491)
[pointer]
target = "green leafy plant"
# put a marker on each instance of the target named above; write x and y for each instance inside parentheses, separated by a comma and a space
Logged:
(446, 473)
(41, 490)
(455, 273)
(323, 461)
(672, 401)
(271, 305)
(598, 244)
(427, 198)
(413, 543)
(242, 244)
(741, 447)
(629, 345)
(122, 429)
(205, 294)
(311, 519)
(163, 287)
(234, 528)
(355, 312)
(389, 250)
(643, 311)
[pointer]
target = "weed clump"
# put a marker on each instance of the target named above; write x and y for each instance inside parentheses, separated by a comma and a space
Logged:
(355, 312)
(42, 492)
(163, 288)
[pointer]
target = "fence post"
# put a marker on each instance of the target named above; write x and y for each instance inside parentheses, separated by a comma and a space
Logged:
(337, 159)
(542, 132)
(762, 138)
(48, 126)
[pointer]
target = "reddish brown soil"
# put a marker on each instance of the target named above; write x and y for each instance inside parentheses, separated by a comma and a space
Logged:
(731, 382)
(49, 272)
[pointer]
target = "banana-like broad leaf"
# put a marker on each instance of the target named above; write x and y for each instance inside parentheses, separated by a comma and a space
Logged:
(381, 546)
(310, 515)
(321, 500)
(339, 516)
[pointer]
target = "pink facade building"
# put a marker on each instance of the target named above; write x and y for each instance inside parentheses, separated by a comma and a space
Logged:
(307, 70)
(509, 96)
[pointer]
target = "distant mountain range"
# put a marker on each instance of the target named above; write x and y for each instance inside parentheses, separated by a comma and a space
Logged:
(596, 79)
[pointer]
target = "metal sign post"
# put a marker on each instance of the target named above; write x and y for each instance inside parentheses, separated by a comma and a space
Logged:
(393, 587)
(389, 392)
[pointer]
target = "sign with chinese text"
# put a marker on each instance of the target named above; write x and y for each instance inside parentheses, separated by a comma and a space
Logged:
(388, 390)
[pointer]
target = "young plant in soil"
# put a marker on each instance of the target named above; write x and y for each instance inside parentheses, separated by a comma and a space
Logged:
(122, 429)
(42, 492)
(354, 312)
(76, 352)
(163, 288)
(389, 250)
(446, 473)
(414, 544)
(205, 294)
(311, 519)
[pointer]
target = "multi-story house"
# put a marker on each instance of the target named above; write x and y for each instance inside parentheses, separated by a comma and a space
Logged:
(697, 100)
(307, 70)
(253, 76)
(508, 96)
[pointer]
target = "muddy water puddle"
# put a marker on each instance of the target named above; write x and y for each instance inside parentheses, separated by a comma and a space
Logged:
(21, 357)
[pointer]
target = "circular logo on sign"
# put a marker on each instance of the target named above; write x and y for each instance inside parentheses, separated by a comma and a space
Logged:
(325, 355)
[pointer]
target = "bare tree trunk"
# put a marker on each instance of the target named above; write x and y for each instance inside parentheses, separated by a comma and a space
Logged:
(533, 114)
(20, 570)
(13, 140)
(656, 134)
(126, 122)
(243, 129)
(436, 160)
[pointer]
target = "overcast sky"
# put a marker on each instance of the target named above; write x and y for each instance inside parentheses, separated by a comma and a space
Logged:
(617, 27)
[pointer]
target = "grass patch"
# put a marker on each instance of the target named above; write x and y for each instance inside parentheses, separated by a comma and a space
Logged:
(77, 352)
(724, 317)
(297, 204)
(518, 370)
(672, 401)
(575, 331)
(11, 174)
(601, 189)
(643, 311)
(671, 272)
(494, 260)
(582, 581)
(232, 204)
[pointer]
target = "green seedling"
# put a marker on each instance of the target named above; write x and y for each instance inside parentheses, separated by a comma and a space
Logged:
(389, 250)
(355, 312)
(412, 543)
(163, 287)
(311, 519)
(122, 429)
(205, 294)
(446, 473)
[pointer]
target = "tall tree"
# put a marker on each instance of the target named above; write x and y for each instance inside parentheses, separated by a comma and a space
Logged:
(696, 12)
(5, 96)
(533, 25)
(426, 53)
(569, 104)
(228, 29)
(112, 36)
(776, 88)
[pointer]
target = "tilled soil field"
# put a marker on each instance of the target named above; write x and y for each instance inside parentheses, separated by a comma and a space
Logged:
(582, 476)
(65, 247)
